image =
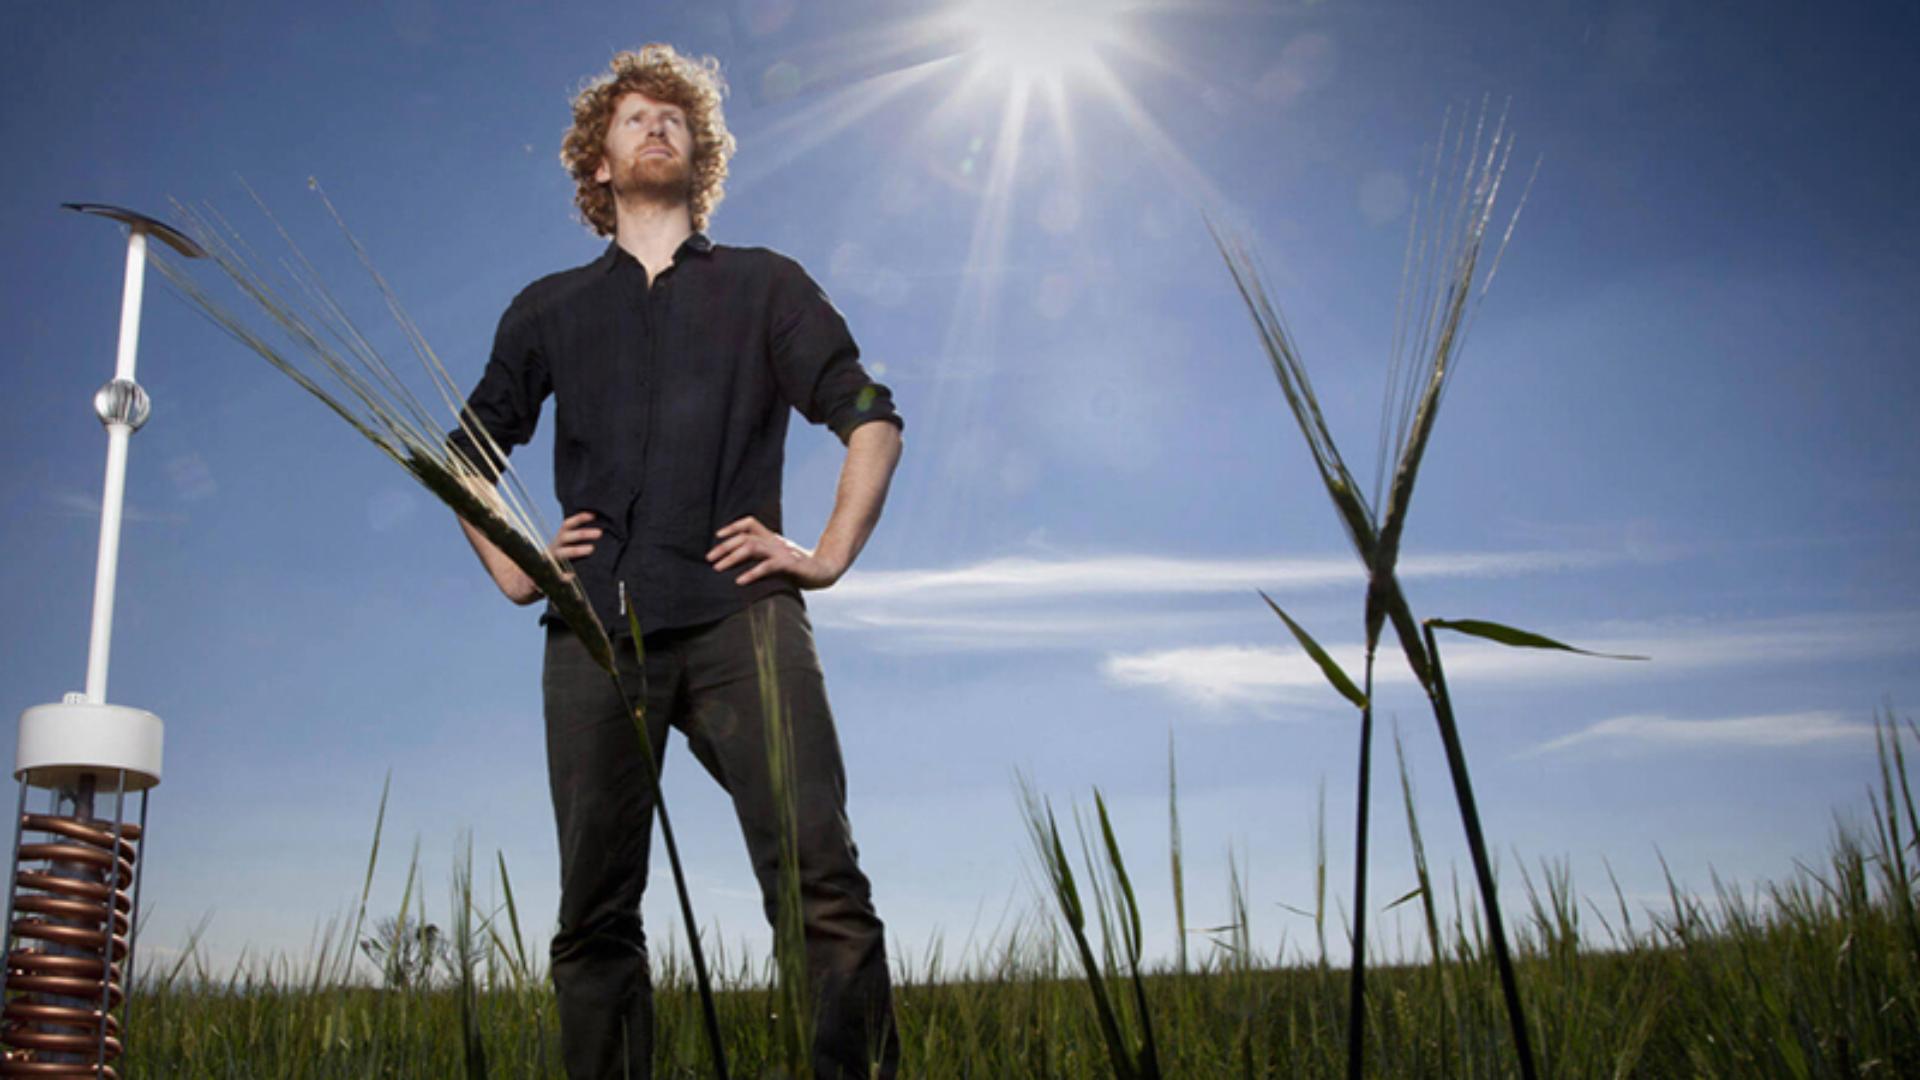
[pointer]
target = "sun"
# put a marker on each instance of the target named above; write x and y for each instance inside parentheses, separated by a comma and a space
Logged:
(1029, 41)
(1017, 64)
(1016, 106)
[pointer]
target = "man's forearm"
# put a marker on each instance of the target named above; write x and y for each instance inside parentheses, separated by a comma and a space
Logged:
(873, 450)
(512, 580)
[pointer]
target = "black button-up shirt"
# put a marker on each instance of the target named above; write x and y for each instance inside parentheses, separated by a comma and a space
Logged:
(671, 406)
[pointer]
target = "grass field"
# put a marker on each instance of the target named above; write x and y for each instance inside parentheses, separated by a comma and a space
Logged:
(1817, 976)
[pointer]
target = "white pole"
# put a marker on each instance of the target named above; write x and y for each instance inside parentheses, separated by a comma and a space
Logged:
(130, 303)
(115, 494)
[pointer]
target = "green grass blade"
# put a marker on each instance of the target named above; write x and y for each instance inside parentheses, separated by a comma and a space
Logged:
(1131, 924)
(1044, 831)
(521, 966)
(399, 970)
(1415, 893)
(1174, 857)
(366, 886)
(1519, 639)
(1148, 1064)
(472, 1046)
(1325, 662)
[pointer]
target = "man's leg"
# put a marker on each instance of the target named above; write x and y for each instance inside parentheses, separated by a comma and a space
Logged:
(602, 805)
(846, 953)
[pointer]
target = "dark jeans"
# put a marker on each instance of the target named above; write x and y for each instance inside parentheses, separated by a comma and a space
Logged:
(705, 682)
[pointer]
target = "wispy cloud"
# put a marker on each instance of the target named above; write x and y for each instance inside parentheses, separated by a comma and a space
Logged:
(192, 478)
(1221, 675)
(1100, 602)
(975, 631)
(1026, 579)
(82, 504)
(1767, 730)
(1240, 673)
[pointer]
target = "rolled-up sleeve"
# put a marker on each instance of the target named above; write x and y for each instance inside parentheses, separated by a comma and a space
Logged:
(514, 386)
(815, 361)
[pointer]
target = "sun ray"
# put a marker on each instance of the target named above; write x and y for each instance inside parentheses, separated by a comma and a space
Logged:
(968, 350)
(1057, 108)
(973, 313)
(803, 67)
(819, 121)
(1181, 169)
(1147, 51)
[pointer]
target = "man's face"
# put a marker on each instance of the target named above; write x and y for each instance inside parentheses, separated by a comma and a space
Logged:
(649, 149)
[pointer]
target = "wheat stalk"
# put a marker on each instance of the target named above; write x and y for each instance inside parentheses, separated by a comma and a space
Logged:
(326, 354)
(1442, 280)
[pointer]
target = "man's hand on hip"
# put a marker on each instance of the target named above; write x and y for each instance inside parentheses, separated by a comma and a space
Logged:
(746, 542)
(576, 536)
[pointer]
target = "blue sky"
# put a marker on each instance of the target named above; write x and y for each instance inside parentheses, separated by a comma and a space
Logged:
(1682, 428)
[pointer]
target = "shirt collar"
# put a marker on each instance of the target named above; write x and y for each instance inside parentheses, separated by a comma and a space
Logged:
(696, 241)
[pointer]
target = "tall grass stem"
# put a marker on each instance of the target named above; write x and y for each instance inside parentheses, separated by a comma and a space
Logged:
(1482, 865)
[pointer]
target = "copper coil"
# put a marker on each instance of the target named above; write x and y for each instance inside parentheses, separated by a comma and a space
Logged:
(73, 937)
(75, 887)
(35, 962)
(98, 835)
(65, 986)
(76, 853)
(81, 902)
(92, 914)
(64, 1015)
(54, 1070)
(52, 1042)
(129, 830)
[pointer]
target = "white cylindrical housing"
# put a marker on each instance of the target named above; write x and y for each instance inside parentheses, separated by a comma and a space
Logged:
(60, 743)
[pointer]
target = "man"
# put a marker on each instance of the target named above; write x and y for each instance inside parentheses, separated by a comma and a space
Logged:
(673, 362)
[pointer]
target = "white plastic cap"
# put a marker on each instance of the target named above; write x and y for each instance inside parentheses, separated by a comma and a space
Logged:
(60, 743)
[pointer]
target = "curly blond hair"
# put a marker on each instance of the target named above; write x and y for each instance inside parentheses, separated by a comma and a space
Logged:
(661, 73)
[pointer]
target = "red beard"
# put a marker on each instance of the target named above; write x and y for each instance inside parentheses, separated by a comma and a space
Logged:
(653, 177)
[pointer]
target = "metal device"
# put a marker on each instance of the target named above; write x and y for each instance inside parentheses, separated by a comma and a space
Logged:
(74, 887)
